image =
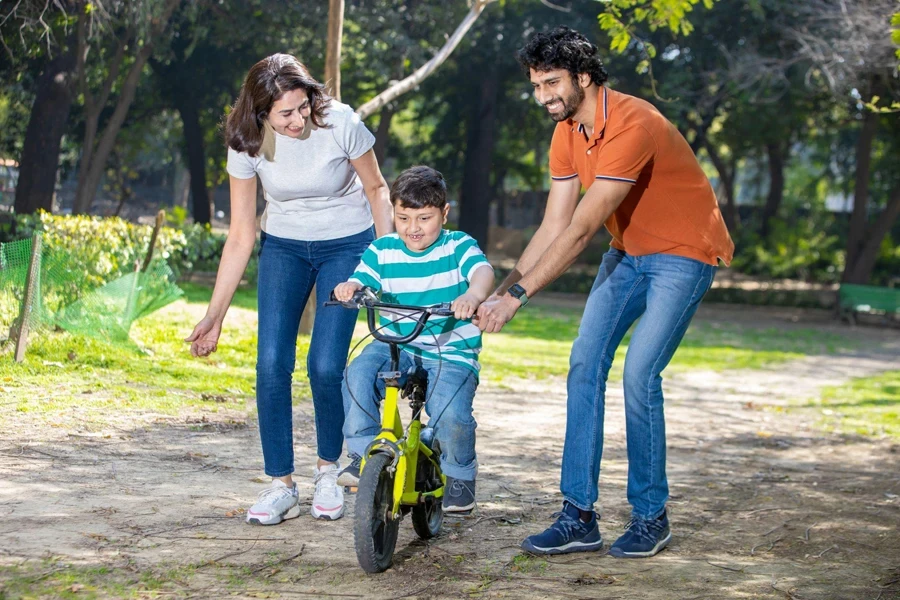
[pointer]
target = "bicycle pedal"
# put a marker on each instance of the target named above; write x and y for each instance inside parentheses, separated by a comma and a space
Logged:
(350, 489)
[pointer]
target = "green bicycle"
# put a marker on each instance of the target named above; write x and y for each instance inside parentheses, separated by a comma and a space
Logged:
(401, 471)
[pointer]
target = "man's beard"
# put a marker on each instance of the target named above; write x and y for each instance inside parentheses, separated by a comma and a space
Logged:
(570, 104)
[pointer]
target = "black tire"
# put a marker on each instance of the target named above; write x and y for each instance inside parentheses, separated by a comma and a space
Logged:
(428, 516)
(374, 531)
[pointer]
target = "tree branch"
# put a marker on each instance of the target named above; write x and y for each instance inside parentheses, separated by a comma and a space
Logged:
(402, 87)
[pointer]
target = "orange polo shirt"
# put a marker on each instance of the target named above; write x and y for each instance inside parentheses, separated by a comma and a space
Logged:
(671, 208)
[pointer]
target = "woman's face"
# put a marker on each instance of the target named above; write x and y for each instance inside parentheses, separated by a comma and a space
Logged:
(289, 113)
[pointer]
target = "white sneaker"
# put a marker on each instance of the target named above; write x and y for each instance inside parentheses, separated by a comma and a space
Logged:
(275, 504)
(328, 500)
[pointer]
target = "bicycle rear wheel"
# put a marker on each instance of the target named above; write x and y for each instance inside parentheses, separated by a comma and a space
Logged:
(375, 530)
(428, 515)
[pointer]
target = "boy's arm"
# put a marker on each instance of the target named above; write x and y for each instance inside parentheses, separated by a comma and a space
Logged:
(482, 282)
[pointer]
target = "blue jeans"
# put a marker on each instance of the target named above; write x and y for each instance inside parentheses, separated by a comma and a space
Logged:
(288, 269)
(666, 290)
(449, 405)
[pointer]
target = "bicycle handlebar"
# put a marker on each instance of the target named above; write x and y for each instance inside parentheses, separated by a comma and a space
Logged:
(366, 298)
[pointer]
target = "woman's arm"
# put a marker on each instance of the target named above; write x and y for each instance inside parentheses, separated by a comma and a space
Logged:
(376, 191)
(235, 256)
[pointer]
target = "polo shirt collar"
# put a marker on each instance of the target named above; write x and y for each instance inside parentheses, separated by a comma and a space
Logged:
(599, 117)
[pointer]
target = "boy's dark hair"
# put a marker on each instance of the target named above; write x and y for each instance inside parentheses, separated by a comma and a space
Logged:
(562, 48)
(418, 187)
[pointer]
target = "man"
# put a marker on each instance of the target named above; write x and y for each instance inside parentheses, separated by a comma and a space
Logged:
(644, 183)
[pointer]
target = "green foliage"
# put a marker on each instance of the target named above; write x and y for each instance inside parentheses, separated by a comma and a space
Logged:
(104, 249)
(803, 251)
(621, 18)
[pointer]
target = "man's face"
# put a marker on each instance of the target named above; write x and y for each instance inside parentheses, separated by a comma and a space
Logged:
(558, 91)
(419, 227)
(290, 112)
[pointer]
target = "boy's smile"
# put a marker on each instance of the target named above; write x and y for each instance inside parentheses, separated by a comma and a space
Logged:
(419, 227)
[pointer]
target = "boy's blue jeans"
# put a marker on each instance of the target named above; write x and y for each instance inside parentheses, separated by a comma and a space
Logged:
(288, 269)
(449, 396)
(665, 291)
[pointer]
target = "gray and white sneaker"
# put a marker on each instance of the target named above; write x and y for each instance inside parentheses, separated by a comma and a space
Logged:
(275, 504)
(328, 499)
(459, 497)
(349, 477)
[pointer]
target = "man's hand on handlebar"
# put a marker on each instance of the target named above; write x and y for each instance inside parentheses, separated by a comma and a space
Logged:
(344, 291)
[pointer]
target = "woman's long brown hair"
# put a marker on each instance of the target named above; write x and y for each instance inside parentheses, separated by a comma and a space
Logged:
(266, 82)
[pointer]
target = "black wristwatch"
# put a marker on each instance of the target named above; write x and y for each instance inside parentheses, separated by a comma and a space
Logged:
(518, 292)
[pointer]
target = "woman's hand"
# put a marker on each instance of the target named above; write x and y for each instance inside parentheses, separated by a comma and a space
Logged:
(465, 306)
(205, 337)
(344, 291)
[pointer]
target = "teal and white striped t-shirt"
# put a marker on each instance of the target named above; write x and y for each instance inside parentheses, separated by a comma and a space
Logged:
(440, 273)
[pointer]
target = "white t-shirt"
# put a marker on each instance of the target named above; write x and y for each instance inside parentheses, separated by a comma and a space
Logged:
(312, 191)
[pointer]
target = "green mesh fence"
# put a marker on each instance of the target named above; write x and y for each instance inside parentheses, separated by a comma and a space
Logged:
(63, 299)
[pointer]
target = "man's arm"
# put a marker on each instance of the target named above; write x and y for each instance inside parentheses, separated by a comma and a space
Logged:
(561, 203)
(600, 201)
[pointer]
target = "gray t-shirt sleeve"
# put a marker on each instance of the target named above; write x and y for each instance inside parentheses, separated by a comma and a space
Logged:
(240, 165)
(353, 136)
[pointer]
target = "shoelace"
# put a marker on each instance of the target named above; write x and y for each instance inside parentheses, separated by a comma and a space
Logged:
(277, 491)
(566, 523)
(645, 530)
(326, 483)
(456, 488)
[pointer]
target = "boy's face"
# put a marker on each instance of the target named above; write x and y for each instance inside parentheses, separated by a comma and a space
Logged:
(419, 227)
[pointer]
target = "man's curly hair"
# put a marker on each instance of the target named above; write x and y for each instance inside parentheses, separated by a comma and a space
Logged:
(562, 48)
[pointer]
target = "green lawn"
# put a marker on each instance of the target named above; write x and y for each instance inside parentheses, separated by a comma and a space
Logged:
(869, 406)
(86, 378)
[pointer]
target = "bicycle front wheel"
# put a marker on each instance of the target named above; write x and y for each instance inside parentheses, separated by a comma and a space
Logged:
(375, 530)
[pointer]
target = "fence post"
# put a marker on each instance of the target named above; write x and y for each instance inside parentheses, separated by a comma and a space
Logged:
(32, 281)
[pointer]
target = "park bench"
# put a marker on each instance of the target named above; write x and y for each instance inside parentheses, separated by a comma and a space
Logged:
(854, 299)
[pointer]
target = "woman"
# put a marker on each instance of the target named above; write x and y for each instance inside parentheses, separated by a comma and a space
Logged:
(322, 187)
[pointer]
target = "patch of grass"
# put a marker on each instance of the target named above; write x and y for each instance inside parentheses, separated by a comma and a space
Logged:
(537, 343)
(88, 379)
(868, 406)
(527, 564)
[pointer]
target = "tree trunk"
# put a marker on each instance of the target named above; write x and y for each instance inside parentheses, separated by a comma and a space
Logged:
(776, 186)
(383, 134)
(475, 199)
(727, 176)
(333, 48)
(861, 270)
(859, 216)
(193, 139)
(43, 137)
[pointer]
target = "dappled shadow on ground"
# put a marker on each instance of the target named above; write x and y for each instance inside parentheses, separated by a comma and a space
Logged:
(763, 505)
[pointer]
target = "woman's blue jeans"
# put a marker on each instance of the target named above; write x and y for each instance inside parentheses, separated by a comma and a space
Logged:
(664, 291)
(288, 270)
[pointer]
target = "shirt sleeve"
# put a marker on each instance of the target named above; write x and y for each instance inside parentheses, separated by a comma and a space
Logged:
(561, 166)
(469, 257)
(240, 165)
(626, 154)
(368, 272)
(354, 137)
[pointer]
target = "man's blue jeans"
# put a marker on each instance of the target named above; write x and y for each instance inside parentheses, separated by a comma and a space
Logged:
(665, 291)
(449, 406)
(288, 269)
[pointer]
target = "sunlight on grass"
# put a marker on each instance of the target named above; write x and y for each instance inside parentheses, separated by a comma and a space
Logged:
(869, 406)
(87, 379)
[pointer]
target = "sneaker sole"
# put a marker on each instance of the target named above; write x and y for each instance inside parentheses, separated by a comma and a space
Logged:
(327, 514)
(292, 513)
(347, 480)
(618, 553)
(459, 511)
(567, 549)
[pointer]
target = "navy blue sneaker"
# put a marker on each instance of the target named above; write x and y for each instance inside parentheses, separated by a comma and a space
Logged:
(568, 534)
(642, 538)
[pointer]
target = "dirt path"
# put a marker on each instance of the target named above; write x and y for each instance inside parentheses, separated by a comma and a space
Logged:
(763, 504)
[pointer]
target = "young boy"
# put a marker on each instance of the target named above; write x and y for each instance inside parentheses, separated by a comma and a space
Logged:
(423, 264)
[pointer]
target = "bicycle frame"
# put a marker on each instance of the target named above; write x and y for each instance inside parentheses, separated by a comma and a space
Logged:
(405, 447)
